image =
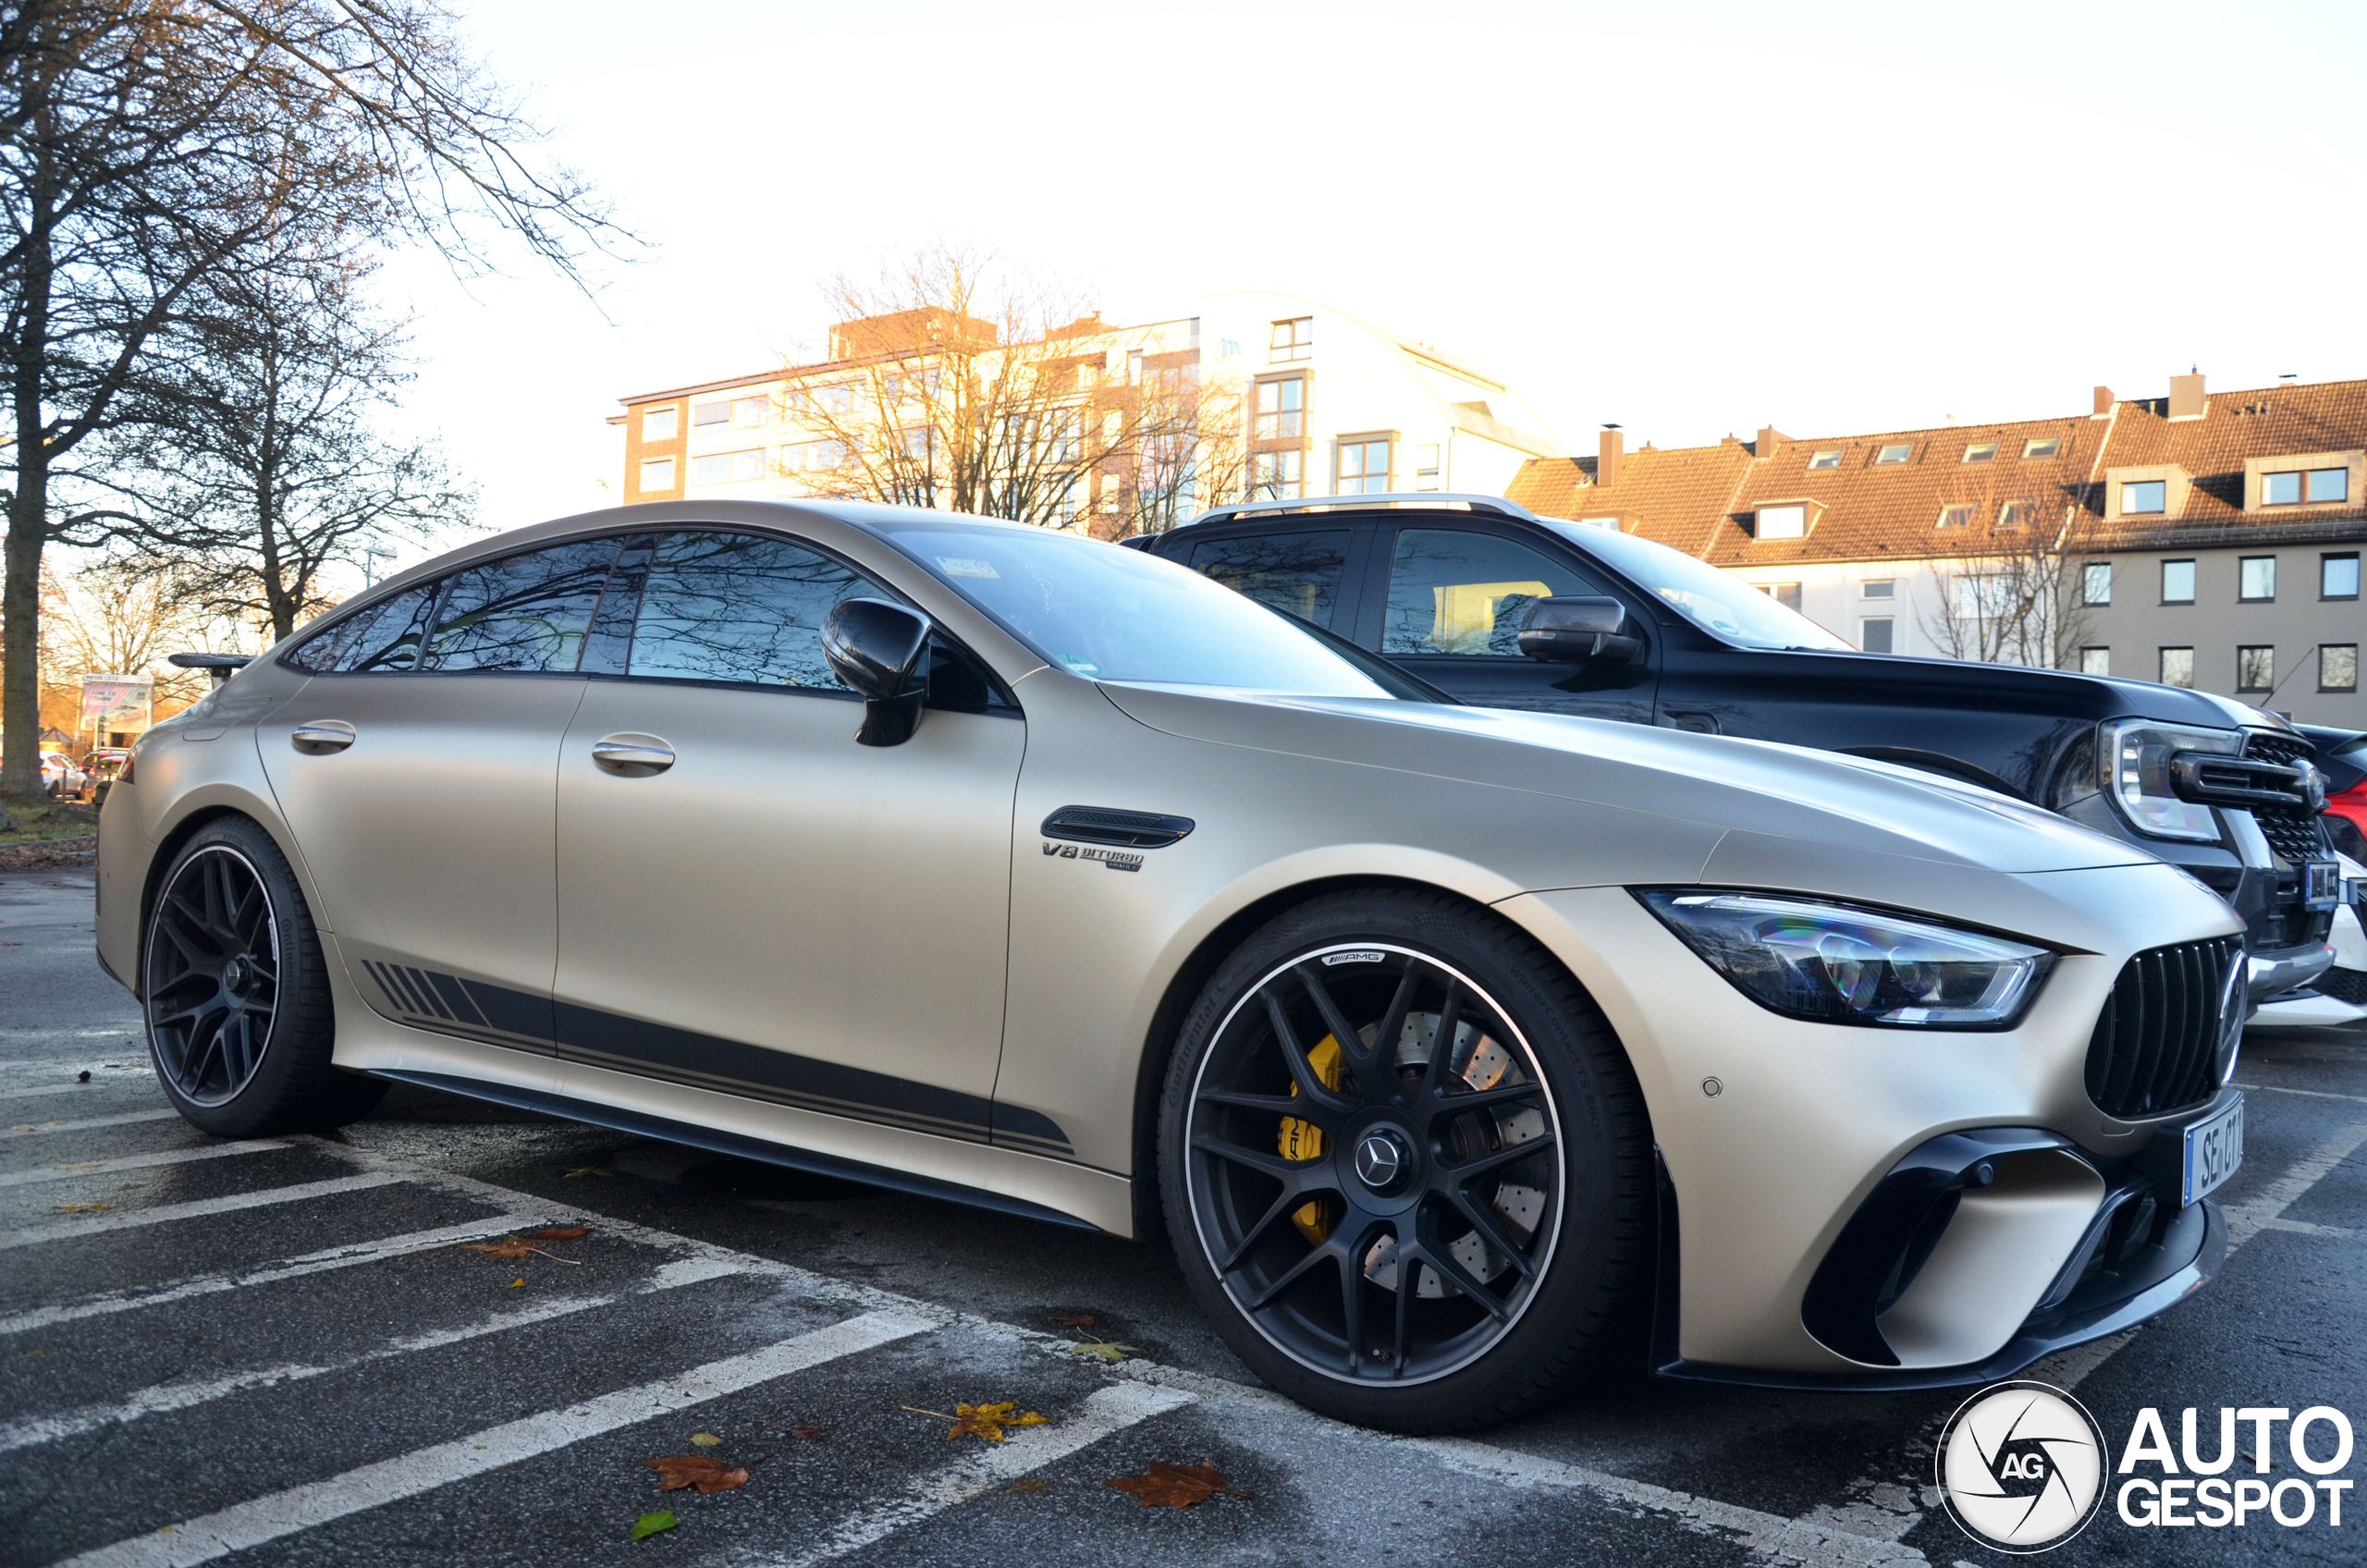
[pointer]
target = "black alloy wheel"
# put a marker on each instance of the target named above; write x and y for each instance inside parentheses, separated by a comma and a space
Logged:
(1374, 1156)
(241, 1028)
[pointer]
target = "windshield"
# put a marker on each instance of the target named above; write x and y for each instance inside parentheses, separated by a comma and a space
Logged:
(1723, 605)
(1113, 614)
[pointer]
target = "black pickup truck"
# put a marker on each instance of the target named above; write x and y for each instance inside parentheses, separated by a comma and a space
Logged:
(1498, 606)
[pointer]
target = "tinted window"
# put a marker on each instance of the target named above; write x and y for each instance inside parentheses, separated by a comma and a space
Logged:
(1298, 572)
(740, 607)
(384, 636)
(523, 613)
(1453, 592)
(1720, 603)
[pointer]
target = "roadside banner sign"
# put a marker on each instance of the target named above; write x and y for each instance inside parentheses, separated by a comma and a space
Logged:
(117, 702)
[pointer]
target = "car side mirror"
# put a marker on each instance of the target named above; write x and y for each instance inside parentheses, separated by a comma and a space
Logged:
(1578, 629)
(875, 647)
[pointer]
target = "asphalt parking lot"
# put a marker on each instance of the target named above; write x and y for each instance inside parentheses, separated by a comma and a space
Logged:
(284, 1351)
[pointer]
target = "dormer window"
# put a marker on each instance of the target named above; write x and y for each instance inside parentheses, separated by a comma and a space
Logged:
(1782, 523)
(1896, 452)
(2294, 486)
(2043, 446)
(1828, 457)
(1980, 452)
(2015, 514)
(1954, 517)
(2147, 495)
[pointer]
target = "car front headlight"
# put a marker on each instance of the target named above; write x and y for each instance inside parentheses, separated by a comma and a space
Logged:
(1831, 963)
(2133, 756)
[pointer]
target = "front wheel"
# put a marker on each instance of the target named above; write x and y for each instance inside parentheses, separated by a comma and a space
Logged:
(241, 1024)
(1407, 1166)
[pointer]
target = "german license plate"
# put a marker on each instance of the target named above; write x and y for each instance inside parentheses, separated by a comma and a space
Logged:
(2214, 1147)
(2322, 884)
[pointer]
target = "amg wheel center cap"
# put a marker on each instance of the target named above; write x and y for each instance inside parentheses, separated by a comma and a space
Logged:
(234, 975)
(1382, 1162)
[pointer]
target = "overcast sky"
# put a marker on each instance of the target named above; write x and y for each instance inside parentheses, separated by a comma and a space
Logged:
(1688, 219)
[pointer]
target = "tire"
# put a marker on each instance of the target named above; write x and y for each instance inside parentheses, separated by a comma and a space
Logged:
(235, 993)
(1529, 1273)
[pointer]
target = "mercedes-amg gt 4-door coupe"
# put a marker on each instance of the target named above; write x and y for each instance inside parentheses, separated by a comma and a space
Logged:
(1463, 1054)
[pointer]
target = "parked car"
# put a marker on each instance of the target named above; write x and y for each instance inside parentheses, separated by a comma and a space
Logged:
(1455, 1046)
(2339, 996)
(60, 779)
(102, 765)
(2341, 755)
(1476, 594)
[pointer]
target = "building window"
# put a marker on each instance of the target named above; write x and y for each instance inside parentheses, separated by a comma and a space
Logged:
(2177, 667)
(1785, 593)
(1782, 523)
(2143, 496)
(1277, 476)
(830, 401)
(660, 423)
(1873, 634)
(2337, 577)
(2290, 488)
(751, 413)
(2095, 661)
(727, 468)
(2017, 514)
(1956, 517)
(2177, 583)
(1879, 588)
(1980, 452)
(1828, 457)
(2337, 666)
(1426, 466)
(2043, 446)
(1364, 468)
(1292, 339)
(702, 415)
(2255, 668)
(1282, 409)
(813, 457)
(1896, 452)
(2095, 584)
(2256, 578)
(1228, 347)
(1133, 367)
(656, 474)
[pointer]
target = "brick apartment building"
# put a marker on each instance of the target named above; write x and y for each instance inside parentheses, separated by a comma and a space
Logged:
(2210, 540)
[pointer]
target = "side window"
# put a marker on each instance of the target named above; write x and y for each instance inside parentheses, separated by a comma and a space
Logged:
(523, 613)
(740, 607)
(1457, 592)
(382, 638)
(1297, 572)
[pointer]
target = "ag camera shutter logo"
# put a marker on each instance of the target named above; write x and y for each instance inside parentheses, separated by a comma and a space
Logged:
(2022, 1466)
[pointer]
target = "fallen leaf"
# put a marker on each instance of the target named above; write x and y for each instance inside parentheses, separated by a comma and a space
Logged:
(1031, 1485)
(594, 1170)
(86, 1165)
(987, 1421)
(1073, 1319)
(511, 1247)
(83, 1208)
(560, 1232)
(1175, 1486)
(811, 1434)
(703, 1471)
(37, 1350)
(704, 1439)
(649, 1524)
(1107, 1350)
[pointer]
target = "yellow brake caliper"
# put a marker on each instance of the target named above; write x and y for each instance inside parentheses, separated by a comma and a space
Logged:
(1304, 1140)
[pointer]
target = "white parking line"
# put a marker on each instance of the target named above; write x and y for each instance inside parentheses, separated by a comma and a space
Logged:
(163, 1213)
(48, 1089)
(160, 1398)
(2313, 1094)
(2245, 1220)
(125, 1119)
(1105, 1412)
(306, 1507)
(107, 1302)
(138, 1161)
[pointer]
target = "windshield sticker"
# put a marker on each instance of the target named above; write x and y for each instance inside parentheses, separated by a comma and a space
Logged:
(1077, 664)
(958, 566)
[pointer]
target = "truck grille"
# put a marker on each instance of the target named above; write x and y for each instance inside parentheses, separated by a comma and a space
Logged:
(2156, 1045)
(2292, 831)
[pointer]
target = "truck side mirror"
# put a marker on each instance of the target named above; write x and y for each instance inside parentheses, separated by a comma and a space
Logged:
(1578, 629)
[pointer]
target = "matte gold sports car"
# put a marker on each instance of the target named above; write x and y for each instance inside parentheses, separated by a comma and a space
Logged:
(1464, 1053)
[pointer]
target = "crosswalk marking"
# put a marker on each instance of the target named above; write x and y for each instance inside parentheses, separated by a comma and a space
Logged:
(125, 1119)
(306, 1507)
(1105, 1411)
(196, 1208)
(67, 1172)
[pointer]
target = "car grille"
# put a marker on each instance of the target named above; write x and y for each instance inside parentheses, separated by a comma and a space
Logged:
(2155, 1048)
(2292, 831)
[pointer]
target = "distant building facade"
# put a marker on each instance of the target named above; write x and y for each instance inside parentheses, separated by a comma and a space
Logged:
(2202, 540)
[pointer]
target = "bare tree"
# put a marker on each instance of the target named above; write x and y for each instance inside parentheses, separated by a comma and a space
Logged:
(122, 615)
(2018, 600)
(151, 146)
(1191, 447)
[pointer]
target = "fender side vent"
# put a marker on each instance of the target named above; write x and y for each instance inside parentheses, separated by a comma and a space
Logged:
(1128, 829)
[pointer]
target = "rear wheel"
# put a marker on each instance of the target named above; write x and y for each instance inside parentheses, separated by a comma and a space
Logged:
(240, 1026)
(1407, 1166)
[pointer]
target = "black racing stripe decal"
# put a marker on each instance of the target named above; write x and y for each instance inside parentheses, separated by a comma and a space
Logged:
(418, 979)
(741, 1088)
(513, 1013)
(455, 999)
(471, 1008)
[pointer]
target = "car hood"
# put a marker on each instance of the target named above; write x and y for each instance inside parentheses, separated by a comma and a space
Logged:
(1754, 787)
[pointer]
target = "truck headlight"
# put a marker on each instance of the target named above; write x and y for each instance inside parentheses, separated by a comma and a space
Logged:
(2133, 757)
(1831, 963)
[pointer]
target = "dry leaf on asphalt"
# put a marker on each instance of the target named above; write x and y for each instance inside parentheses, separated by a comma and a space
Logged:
(1175, 1486)
(704, 1440)
(703, 1471)
(649, 1524)
(986, 1421)
(511, 1247)
(1107, 1350)
(1073, 1319)
(574, 1171)
(1031, 1485)
(83, 1208)
(811, 1434)
(560, 1232)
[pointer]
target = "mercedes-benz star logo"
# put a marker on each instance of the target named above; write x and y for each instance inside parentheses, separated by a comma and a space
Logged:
(1378, 1161)
(2022, 1467)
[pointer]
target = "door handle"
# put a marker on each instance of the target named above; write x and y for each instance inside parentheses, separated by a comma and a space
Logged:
(320, 737)
(633, 756)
